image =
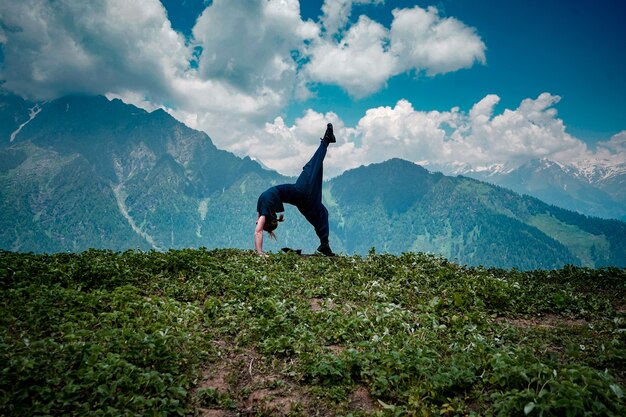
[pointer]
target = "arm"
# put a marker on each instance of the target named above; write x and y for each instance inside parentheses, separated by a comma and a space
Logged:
(258, 235)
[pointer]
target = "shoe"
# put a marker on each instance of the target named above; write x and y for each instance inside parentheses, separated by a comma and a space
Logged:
(325, 250)
(329, 135)
(289, 250)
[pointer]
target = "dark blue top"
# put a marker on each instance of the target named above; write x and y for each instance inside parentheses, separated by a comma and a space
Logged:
(271, 200)
(269, 203)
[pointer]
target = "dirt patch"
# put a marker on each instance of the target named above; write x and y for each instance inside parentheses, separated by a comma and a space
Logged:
(216, 378)
(360, 400)
(272, 402)
(217, 375)
(318, 304)
(315, 304)
(254, 387)
(335, 349)
(215, 413)
(547, 321)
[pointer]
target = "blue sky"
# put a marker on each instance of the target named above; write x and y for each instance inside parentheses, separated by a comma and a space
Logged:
(442, 83)
(575, 49)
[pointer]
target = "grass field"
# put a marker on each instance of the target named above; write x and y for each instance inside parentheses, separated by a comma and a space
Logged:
(226, 333)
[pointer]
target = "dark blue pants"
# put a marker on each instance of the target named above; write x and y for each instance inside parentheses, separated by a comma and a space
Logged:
(309, 184)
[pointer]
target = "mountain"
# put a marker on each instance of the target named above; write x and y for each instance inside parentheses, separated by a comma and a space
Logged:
(605, 175)
(402, 206)
(89, 172)
(591, 189)
(14, 112)
(81, 172)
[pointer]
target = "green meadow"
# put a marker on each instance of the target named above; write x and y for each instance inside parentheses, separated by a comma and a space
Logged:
(227, 333)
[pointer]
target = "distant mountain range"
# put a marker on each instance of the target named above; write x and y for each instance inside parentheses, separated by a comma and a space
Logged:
(81, 172)
(590, 187)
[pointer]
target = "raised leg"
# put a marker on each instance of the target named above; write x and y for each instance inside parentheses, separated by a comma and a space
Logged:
(310, 180)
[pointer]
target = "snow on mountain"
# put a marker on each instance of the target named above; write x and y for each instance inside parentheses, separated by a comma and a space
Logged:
(484, 170)
(592, 171)
(592, 187)
(597, 170)
(32, 113)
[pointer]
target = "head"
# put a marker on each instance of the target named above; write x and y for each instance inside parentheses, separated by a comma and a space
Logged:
(271, 225)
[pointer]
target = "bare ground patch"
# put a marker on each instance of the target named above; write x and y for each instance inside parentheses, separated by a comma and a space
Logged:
(246, 385)
(361, 400)
(203, 412)
(318, 304)
(547, 321)
(335, 349)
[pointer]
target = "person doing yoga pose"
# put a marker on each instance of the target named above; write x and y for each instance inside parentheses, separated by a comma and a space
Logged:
(305, 194)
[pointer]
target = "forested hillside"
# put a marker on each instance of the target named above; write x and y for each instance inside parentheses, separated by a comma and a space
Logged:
(398, 206)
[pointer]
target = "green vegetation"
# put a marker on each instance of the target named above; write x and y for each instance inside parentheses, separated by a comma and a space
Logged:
(224, 332)
(398, 206)
(583, 244)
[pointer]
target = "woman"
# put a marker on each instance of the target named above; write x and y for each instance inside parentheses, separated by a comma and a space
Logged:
(305, 194)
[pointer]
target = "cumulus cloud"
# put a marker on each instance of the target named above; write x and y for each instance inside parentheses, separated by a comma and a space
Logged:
(256, 56)
(246, 68)
(359, 63)
(403, 132)
(337, 12)
(56, 48)
(245, 61)
(422, 40)
(249, 44)
(533, 130)
(368, 54)
(287, 148)
(124, 48)
(615, 145)
(611, 152)
(440, 140)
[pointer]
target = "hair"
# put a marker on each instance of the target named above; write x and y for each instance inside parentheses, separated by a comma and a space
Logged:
(271, 225)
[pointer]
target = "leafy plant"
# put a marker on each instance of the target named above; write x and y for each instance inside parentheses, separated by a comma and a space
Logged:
(135, 333)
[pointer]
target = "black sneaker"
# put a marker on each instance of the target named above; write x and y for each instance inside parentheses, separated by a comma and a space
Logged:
(325, 250)
(289, 250)
(329, 135)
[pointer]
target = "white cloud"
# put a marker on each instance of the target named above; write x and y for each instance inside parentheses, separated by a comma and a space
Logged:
(422, 40)
(247, 71)
(368, 54)
(615, 145)
(257, 55)
(245, 74)
(533, 130)
(359, 63)
(482, 111)
(403, 132)
(287, 148)
(611, 152)
(56, 48)
(436, 139)
(248, 44)
(337, 12)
